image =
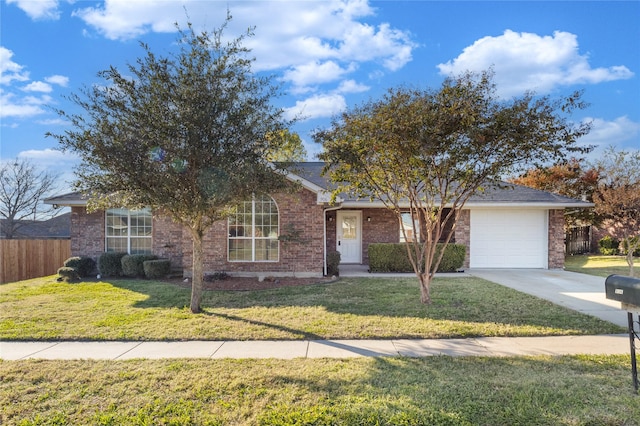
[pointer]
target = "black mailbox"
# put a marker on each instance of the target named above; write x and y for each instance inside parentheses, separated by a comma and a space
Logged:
(623, 289)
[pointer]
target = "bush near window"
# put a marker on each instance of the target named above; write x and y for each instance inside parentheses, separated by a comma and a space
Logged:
(84, 266)
(110, 264)
(387, 257)
(608, 245)
(132, 264)
(68, 274)
(154, 269)
(333, 263)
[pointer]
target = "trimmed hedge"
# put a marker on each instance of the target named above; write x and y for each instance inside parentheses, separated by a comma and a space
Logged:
(389, 257)
(110, 264)
(68, 274)
(154, 269)
(84, 266)
(132, 264)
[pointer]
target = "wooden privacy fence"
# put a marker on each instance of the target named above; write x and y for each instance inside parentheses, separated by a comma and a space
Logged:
(578, 240)
(25, 259)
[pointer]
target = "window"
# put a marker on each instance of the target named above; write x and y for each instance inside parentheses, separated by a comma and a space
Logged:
(409, 228)
(129, 231)
(253, 231)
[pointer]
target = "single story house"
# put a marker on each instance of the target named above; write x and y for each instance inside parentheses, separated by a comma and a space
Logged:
(506, 227)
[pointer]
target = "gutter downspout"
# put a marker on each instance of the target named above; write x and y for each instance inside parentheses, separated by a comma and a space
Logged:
(324, 237)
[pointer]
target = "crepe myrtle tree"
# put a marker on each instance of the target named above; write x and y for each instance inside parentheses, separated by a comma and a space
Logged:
(184, 134)
(428, 151)
(617, 198)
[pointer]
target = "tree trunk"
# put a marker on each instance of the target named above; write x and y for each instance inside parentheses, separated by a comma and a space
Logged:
(425, 287)
(197, 273)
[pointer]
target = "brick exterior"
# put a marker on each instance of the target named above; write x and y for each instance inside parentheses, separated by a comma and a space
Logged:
(87, 233)
(462, 234)
(556, 239)
(296, 258)
(299, 210)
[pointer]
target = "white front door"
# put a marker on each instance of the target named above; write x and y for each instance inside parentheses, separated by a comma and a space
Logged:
(348, 236)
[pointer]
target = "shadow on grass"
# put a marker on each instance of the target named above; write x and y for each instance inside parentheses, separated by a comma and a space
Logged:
(465, 299)
(463, 391)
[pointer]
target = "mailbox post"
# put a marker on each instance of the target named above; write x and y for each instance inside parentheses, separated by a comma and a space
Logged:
(626, 290)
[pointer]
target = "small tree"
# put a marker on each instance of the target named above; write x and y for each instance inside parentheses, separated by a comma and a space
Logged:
(186, 135)
(22, 190)
(617, 198)
(286, 147)
(570, 178)
(428, 151)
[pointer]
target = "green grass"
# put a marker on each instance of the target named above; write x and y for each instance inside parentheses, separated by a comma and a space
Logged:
(600, 265)
(576, 390)
(363, 308)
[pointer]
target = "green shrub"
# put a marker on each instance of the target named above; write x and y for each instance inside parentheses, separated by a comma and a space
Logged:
(68, 274)
(608, 245)
(390, 257)
(110, 264)
(132, 264)
(333, 263)
(625, 246)
(154, 269)
(84, 266)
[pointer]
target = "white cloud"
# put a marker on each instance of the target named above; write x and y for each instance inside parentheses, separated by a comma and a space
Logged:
(37, 86)
(289, 35)
(318, 106)
(56, 162)
(28, 106)
(9, 70)
(60, 80)
(604, 133)
(526, 61)
(316, 73)
(38, 9)
(352, 86)
(53, 122)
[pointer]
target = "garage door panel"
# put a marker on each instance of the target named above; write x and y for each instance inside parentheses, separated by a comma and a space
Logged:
(508, 239)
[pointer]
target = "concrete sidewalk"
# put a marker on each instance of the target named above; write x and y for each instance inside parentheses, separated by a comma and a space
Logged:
(485, 346)
(583, 293)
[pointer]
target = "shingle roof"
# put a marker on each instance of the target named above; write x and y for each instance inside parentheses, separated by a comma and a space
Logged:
(507, 194)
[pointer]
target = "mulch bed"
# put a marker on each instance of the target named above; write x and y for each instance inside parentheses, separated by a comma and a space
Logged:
(248, 284)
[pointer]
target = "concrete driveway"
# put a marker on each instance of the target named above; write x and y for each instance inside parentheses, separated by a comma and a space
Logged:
(580, 292)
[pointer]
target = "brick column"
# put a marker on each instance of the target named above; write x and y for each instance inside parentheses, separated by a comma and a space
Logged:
(556, 239)
(462, 234)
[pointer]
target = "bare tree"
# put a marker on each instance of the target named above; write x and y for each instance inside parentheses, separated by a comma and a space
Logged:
(22, 189)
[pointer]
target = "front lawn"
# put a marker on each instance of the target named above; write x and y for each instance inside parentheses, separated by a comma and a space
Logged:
(355, 308)
(576, 390)
(600, 265)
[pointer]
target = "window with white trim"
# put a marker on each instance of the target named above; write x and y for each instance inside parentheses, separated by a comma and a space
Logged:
(253, 231)
(129, 231)
(411, 230)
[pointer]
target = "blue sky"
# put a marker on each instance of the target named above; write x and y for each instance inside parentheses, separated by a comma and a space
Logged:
(329, 55)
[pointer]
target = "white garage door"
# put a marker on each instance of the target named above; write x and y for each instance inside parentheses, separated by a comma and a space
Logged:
(508, 239)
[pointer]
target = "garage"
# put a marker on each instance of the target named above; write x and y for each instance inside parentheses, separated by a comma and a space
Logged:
(508, 238)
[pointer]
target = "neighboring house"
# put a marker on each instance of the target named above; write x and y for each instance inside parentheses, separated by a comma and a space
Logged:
(508, 227)
(57, 227)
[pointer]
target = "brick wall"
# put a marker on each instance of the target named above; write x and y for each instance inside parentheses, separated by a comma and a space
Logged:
(87, 232)
(382, 228)
(462, 234)
(556, 239)
(168, 239)
(298, 210)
